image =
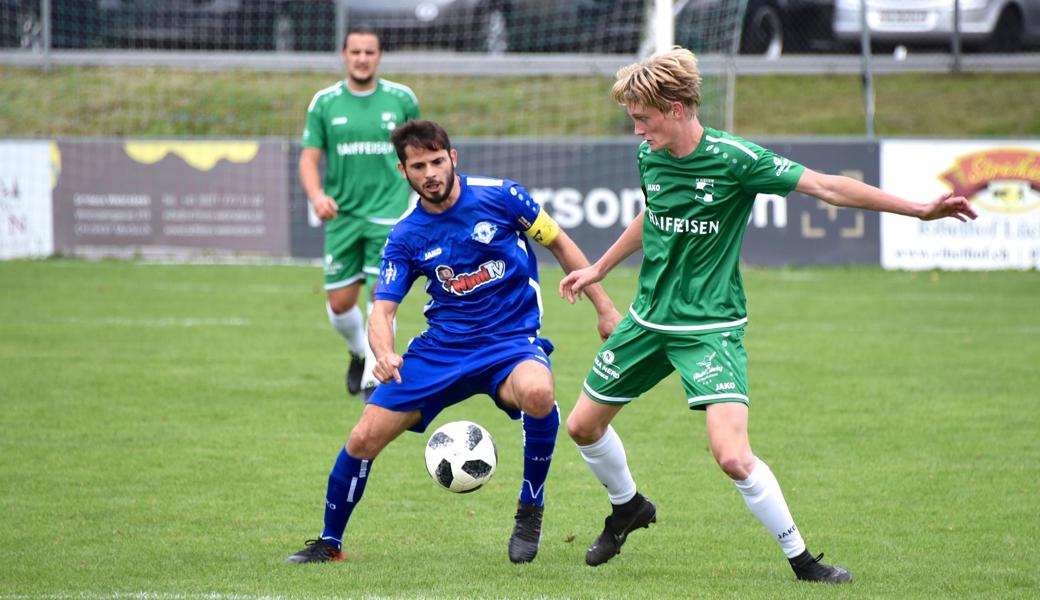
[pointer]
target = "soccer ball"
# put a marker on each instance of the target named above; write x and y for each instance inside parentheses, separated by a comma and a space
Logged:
(461, 456)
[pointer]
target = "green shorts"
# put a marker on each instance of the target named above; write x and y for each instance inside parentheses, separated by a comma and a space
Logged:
(353, 250)
(712, 366)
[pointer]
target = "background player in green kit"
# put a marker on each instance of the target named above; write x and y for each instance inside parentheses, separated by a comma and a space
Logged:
(363, 194)
(689, 311)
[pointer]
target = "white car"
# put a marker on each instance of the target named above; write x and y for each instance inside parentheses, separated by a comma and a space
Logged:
(995, 25)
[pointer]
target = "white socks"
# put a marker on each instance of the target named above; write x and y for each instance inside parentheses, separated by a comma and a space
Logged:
(606, 457)
(761, 492)
(367, 378)
(350, 326)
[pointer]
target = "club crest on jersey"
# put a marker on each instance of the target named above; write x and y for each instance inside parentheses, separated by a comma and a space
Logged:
(484, 232)
(704, 190)
(465, 283)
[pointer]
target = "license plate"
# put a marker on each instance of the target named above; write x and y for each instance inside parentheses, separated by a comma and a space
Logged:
(902, 17)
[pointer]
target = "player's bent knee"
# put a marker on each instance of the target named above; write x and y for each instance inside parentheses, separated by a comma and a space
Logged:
(538, 401)
(736, 465)
(583, 433)
(340, 306)
(363, 445)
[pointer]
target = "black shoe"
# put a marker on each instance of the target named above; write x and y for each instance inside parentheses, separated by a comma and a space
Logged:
(354, 372)
(527, 532)
(316, 551)
(808, 568)
(616, 529)
(367, 392)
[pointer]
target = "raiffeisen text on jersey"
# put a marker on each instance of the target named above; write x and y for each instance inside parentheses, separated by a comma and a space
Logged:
(690, 226)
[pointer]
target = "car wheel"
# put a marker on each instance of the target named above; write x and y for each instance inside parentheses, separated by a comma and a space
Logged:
(763, 32)
(30, 32)
(284, 33)
(1007, 35)
(494, 32)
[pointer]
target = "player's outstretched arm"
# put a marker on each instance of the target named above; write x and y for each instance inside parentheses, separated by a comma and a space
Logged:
(381, 339)
(577, 281)
(845, 191)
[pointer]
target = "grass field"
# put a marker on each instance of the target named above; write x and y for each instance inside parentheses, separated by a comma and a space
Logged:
(162, 102)
(168, 431)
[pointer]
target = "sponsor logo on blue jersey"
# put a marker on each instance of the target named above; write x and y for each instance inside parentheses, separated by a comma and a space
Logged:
(465, 283)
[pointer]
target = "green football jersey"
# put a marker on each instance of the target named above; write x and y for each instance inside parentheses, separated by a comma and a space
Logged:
(697, 210)
(353, 129)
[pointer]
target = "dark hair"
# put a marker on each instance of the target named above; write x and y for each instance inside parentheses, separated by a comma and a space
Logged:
(362, 30)
(419, 134)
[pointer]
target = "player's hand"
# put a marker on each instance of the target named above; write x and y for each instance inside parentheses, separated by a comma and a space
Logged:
(607, 323)
(949, 205)
(576, 281)
(325, 207)
(388, 367)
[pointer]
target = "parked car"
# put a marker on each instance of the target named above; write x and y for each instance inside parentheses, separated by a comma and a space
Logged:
(590, 26)
(74, 24)
(995, 25)
(219, 24)
(775, 26)
(421, 24)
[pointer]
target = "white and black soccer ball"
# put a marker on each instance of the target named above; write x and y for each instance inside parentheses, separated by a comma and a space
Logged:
(461, 456)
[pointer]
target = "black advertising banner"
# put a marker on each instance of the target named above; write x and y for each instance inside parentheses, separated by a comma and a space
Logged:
(172, 198)
(591, 187)
(800, 230)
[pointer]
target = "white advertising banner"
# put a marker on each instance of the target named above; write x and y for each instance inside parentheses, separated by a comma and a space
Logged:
(26, 181)
(1000, 178)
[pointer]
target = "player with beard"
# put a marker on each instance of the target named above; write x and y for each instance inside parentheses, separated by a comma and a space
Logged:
(466, 236)
(363, 196)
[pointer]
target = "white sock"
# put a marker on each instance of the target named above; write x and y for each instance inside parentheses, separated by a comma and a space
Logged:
(367, 378)
(350, 326)
(606, 457)
(761, 492)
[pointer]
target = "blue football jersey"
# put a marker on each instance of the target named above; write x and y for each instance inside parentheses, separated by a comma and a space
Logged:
(481, 271)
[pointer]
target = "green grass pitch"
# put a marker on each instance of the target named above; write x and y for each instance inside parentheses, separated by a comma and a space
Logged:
(167, 432)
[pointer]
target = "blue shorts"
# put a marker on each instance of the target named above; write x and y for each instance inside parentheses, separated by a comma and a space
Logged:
(434, 376)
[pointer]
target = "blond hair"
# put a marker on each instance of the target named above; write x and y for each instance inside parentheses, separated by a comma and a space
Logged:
(660, 80)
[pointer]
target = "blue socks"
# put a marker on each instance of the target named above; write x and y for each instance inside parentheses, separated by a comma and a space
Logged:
(346, 485)
(349, 476)
(539, 442)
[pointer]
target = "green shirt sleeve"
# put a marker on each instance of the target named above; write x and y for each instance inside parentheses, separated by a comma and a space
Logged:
(314, 128)
(770, 173)
(412, 111)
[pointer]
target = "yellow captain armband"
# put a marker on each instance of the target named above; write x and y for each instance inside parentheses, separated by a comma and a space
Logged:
(544, 229)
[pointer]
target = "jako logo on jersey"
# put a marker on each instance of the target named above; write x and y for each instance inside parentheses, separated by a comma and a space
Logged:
(339, 121)
(467, 282)
(432, 253)
(704, 190)
(653, 187)
(389, 272)
(484, 231)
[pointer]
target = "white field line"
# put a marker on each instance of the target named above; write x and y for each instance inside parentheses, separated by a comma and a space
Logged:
(218, 596)
(162, 322)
